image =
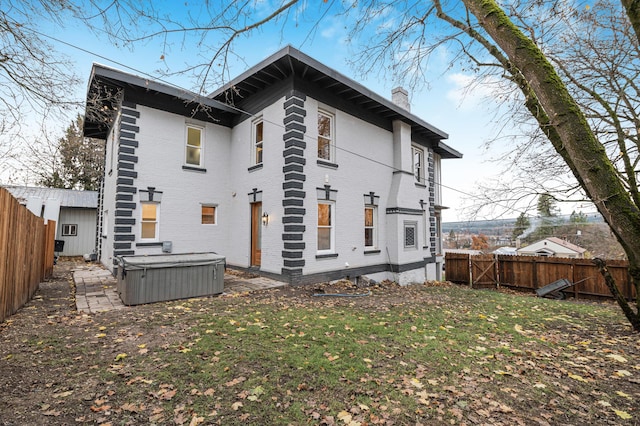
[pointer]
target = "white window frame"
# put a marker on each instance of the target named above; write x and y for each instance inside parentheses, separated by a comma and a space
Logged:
(418, 175)
(70, 230)
(410, 225)
(156, 237)
(187, 146)
(373, 227)
(331, 137)
(257, 144)
(215, 214)
(332, 227)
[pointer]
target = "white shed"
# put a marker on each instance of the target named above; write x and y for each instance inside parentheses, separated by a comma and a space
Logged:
(74, 213)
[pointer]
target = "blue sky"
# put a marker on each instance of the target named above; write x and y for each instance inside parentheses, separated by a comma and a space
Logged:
(466, 117)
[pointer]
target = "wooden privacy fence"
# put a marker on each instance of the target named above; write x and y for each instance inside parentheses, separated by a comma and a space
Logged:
(533, 272)
(26, 253)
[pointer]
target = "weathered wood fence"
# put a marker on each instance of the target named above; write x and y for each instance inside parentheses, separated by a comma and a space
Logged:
(26, 253)
(533, 272)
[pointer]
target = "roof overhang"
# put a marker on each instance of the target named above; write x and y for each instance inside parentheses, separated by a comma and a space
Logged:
(291, 65)
(104, 82)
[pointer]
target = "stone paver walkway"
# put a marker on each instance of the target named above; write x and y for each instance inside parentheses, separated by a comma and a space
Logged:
(96, 288)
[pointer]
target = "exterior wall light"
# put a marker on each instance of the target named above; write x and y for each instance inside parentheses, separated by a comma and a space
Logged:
(265, 219)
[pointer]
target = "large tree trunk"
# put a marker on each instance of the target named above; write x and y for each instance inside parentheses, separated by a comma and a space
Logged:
(633, 12)
(562, 120)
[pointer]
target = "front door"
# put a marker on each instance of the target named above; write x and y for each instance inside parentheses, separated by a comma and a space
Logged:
(256, 233)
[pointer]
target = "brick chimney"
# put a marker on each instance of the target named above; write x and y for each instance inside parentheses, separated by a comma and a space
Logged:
(400, 97)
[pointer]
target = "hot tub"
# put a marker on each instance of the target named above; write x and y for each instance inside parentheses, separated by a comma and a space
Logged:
(159, 278)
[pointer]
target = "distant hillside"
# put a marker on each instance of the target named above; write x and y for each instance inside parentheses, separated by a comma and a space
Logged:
(499, 226)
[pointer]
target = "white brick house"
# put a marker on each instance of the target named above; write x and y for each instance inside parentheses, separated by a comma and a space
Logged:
(291, 170)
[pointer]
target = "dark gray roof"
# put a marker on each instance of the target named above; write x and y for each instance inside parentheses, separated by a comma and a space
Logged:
(144, 91)
(286, 68)
(291, 64)
(67, 197)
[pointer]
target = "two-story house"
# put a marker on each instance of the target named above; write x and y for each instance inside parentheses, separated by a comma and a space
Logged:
(291, 170)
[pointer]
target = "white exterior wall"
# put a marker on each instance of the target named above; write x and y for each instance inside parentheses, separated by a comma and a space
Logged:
(161, 155)
(354, 177)
(109, 199)
(228, 181)
(267, 179)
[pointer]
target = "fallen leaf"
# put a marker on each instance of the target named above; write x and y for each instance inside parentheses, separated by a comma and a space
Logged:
(622, 414)
(195, 420)
(415, 382)
(577, 377)
(130, 407)
(62, 394)
(120, 356)
(54, 413)
(344, 416)
(622, 373)
(235, 381)
(617, 357)
(236, 405)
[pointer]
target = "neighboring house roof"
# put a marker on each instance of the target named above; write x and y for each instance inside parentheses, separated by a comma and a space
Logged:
(67, 197)
(567, 244)
(285, 67)
(506, 250)
(463, 251)
(560, 244)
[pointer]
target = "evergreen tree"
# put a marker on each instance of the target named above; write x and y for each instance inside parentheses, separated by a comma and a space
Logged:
(78, 162)
(521, 225)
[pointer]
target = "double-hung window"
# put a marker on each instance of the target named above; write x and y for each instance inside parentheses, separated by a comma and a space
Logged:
(418, 165)
(258, 133)
(194, 152)
(326, 140)
(326, 227)
(370, 225)
(150, 221)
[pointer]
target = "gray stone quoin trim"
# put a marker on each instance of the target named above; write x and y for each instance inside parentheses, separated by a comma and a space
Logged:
(126, 178)
(432, 200)
(293, 185)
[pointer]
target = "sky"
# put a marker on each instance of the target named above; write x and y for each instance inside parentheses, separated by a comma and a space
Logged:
(467, 117)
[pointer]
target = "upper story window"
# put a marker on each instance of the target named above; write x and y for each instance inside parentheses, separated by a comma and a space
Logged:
(418, 165)
(258, 136)
(150, 220)
(326, 137)
(194, 152)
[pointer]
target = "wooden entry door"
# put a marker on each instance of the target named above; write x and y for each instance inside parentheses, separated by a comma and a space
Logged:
(256, 233)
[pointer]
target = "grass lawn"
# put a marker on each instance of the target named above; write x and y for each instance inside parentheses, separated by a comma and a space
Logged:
(415, 355)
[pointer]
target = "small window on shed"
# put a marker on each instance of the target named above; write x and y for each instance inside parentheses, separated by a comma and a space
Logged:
(69, 230)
